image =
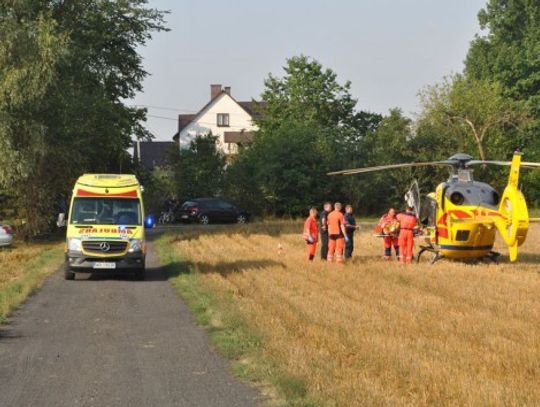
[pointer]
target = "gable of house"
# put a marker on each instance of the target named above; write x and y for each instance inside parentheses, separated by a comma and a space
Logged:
(221, 115)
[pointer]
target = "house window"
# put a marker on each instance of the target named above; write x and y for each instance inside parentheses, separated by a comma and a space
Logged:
(223, 119)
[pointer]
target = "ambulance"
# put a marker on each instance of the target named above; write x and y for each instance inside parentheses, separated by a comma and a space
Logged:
(105, 226)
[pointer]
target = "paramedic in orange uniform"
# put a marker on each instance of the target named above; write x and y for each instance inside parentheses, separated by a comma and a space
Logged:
(336, 234)
(390, 239)
(407, 223)
(311, 233)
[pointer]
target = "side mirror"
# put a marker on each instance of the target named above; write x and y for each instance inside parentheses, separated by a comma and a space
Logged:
(61, 221)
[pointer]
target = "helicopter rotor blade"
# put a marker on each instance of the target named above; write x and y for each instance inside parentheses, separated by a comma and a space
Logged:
(530, 165)
(486, 162)
(524, 164)
(389, 167)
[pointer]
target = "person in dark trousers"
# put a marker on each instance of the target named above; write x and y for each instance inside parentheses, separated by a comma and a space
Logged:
(350, 228)
(323, 218)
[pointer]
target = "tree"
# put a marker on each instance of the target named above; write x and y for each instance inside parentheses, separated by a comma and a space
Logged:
(308, 126)
(240, 184)
(158, 184)
(30, 53)
(288, 170)
(510, 52)
(473, 111)
(199, 169)
(393, 141)
(307, 93)
(66, 68)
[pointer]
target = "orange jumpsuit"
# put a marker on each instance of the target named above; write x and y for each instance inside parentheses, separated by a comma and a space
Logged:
(390, 240)
(311, 236)
(336, 240)
(407, 222)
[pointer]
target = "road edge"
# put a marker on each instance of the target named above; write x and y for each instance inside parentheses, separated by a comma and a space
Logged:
(230, 335)
(35, 273)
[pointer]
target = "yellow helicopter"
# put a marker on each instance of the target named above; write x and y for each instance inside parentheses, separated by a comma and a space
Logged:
(462, 216)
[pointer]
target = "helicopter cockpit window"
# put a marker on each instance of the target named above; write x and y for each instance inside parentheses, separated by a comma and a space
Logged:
(457, 198)
(472, 193)
(489, 197)
(465, 175)
(495, 198)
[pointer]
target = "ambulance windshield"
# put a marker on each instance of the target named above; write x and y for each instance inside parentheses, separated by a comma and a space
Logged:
(106, 211)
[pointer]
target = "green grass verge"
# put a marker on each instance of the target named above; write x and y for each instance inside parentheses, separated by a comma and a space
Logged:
(229, 332)
(32, 275)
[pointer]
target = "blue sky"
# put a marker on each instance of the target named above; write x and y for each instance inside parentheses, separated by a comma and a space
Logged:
(388, 49)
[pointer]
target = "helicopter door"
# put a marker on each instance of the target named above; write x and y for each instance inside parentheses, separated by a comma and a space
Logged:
(412, 198)
(428, 216)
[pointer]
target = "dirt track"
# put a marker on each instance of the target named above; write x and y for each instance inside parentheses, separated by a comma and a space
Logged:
(112, 342)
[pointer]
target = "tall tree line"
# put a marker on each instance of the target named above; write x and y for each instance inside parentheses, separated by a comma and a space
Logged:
(66, 68)
(308, 125)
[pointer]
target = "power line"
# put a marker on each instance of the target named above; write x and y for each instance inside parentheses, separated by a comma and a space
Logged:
(162, 117)
(172, 109)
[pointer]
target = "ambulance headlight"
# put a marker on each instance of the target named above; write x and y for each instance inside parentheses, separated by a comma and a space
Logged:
(74, 244)
(135, 245)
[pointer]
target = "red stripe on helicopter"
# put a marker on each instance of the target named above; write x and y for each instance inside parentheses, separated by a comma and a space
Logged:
(442, 232)
(85, 193)
(476, 212)
(460, 214)
(442, 220)
(500, 215)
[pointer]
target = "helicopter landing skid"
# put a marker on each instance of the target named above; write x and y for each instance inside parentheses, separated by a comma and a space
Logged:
(493, 256)
(436, 253)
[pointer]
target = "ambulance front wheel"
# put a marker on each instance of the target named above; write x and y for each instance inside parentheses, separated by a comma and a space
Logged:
(68, 274)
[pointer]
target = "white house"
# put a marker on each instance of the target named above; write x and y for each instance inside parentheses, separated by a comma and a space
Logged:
(225, 117)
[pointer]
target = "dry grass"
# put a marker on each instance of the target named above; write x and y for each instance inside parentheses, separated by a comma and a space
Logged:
(22, 269)
(377, 333)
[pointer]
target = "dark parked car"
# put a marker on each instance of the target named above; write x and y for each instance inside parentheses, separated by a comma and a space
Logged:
(211, 210)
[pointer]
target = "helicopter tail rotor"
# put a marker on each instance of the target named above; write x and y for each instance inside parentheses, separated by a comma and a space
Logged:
(514, 222)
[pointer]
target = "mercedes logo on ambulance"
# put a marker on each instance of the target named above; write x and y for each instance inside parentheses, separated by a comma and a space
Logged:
(104, 246)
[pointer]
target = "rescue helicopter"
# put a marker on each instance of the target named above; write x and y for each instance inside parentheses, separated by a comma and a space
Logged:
(462, 216)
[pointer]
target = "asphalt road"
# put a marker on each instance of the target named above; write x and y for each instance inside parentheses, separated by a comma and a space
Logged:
(112, 342)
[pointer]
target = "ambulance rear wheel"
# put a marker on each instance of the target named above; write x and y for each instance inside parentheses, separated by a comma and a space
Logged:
(68, 274)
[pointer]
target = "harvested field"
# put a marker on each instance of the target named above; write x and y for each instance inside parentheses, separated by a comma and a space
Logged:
(375, 332)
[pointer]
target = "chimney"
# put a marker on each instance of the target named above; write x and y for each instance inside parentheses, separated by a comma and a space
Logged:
(215, 90)
(227, 90)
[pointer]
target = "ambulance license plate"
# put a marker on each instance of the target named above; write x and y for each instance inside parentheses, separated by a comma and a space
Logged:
(105, 265)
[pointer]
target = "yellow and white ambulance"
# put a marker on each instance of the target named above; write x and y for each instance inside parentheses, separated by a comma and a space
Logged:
(105, 226)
